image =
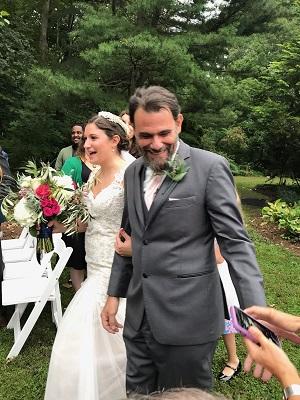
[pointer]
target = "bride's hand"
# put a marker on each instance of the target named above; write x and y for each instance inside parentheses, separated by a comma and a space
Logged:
(57, 226)
(108, 315)
(123, 244)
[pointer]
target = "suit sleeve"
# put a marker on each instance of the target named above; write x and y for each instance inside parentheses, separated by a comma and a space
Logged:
(235, 245)
(121, 271)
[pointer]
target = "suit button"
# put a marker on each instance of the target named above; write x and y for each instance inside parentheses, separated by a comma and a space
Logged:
(145, 242)
(145, 275)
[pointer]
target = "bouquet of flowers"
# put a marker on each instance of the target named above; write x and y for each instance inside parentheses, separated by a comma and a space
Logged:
(41, 195)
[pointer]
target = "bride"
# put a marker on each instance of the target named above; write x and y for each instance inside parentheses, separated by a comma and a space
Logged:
(88, 363)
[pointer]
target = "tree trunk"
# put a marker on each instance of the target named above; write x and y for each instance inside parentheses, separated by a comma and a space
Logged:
(114, 7)
(44, 30)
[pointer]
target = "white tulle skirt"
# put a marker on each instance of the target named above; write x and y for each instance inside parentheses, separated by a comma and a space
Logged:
(87, 362)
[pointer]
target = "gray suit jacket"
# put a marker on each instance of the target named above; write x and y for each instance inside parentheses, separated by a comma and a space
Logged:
(172, 274)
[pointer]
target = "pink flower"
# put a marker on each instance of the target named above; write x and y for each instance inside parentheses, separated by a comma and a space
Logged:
(45, 202)
(23, 192)
(43, 191)
(50, 207)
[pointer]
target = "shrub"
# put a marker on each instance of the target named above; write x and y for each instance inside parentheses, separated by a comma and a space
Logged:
(287, 216)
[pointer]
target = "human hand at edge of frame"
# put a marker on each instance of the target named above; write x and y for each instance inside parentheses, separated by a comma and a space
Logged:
(123, 244)
(283, 324)
(108, 315)
(269, 360)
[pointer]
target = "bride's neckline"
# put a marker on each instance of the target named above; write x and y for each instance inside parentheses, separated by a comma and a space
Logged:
(115, 176)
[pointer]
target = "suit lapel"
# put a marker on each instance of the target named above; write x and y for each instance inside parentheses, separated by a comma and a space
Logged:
(137, 190)
(166, 187)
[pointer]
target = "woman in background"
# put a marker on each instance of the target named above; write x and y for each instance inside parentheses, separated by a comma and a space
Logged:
(133, 146)
(232, 365)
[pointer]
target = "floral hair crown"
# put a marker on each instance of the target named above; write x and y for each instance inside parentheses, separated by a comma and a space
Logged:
(113, 118)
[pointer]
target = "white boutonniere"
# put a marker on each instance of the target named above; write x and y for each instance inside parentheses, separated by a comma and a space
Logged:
(176, 169)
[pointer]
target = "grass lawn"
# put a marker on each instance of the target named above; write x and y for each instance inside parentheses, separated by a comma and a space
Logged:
(24, 378)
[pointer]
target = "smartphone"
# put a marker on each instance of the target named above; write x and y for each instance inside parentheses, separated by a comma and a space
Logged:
(242, 321)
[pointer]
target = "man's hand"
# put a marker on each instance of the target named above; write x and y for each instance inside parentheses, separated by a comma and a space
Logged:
(269, 360)
(81, 226)
(123, 244)
(108, 315)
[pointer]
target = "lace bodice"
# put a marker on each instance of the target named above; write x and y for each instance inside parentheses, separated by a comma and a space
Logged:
(106, 212)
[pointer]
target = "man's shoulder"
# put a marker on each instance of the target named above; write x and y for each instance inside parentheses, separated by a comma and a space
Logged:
(66, 149)
(132, 166)
(206, 156)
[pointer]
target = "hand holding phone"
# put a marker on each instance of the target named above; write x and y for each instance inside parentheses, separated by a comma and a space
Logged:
(241, 322)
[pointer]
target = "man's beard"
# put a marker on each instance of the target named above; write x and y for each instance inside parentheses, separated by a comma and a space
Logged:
(157, 165)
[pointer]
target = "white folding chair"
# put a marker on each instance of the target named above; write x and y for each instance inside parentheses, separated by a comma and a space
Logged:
(19, 243)
(31, 268)
(37, 289)
(26, 253)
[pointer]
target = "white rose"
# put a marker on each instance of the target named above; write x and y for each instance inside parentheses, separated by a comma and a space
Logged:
(64, 181)
(23, 215)
(35, 183)
(26, 182)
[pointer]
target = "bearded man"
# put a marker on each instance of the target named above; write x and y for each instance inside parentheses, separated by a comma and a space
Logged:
(178, 199)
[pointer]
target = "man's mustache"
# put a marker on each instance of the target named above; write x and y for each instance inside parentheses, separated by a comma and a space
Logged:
(151, 151)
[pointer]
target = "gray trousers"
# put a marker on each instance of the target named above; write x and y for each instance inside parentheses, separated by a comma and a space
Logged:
(153, 367)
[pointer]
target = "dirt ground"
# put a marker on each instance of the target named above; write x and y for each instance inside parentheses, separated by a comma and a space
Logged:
(268, 230)
(10, 230)
(274, 234)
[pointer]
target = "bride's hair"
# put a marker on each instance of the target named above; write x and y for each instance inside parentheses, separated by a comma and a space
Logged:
(111, 128)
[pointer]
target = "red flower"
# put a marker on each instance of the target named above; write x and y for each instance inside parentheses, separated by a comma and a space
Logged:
(43, 191)
(50, 207)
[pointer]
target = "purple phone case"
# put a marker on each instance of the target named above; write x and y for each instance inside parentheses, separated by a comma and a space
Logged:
(237, 326)
(266, 331)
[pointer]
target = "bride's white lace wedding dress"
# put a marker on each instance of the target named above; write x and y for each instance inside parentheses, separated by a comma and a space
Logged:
(88, 363)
